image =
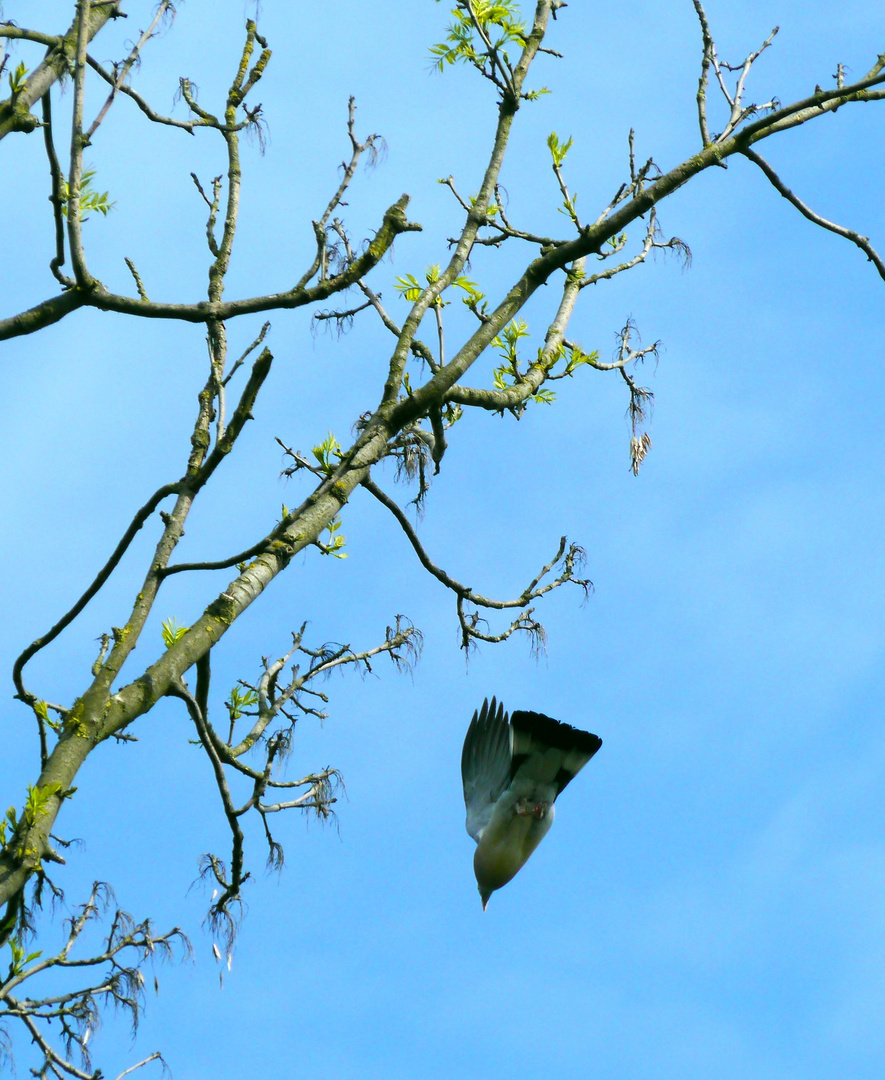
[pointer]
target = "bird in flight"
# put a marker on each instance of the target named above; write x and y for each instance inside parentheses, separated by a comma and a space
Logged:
(513, 769)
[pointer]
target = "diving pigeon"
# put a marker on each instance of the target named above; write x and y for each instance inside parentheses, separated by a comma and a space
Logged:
(512, 773)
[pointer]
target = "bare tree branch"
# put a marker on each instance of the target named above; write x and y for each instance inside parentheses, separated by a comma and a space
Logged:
(840, 230)
(73, 1015)
(410, 420)
(15, 112)
(569, 555)
(123, 71)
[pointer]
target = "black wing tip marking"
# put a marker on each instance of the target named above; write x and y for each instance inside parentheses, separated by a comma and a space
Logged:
(555, 733)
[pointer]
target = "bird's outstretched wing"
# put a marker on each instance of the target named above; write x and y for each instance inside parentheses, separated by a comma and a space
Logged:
(485, 765)
(540, 745)
(513, 770)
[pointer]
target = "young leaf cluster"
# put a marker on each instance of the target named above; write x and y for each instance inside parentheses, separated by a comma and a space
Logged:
(42, 711)
(577, 358)
(335, 542)
(90, 199)
(239, 701)
(480, 31)
(20, 959)
(509, 373)
(17, 79)
(411, 289)
(10, 822)
(327, 454)
(172, 632)
(37, 802)
(558, 150)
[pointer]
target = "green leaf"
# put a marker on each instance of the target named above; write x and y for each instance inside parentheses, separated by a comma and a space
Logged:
(335, 543)
(558, 150)
(240, 699)
(11, 821)
(506, 342)
(408, 287)
(172, 632)
(499, 380)
(501, 24)
(328, 454)
(37, 802)
(42, 711)
(17, 78)
(577, 357)
(19, 960)
(91, 201)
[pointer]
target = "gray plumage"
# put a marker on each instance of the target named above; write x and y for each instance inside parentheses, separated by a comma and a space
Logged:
(513, 769)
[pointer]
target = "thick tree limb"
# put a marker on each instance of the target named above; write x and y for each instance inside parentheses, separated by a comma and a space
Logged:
(15, 114)
(107, 709)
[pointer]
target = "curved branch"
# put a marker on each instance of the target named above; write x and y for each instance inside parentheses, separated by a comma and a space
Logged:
(124, 88)
(840, 230)
(101, 577)
(55, 196)
(231, 888)
(533, 590)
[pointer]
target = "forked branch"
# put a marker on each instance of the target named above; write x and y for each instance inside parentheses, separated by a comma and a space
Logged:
(568, 556)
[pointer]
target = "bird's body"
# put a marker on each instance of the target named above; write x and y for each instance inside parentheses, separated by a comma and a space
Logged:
(513, 770)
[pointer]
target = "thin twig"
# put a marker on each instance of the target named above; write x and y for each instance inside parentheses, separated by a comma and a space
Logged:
(124, 68)
(101, 577)
(56, 195)
(840, 230)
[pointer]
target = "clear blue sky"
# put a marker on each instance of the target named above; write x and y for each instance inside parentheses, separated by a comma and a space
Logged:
(710, 901)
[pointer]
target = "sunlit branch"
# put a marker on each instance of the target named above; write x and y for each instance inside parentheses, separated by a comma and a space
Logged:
(393, 224)
(78, 144)
(478, 214)
(703, 81)
(15, 112)
(370, 146)
(528, 383)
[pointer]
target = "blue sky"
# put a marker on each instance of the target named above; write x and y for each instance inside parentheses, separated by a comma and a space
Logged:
(710, 900)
